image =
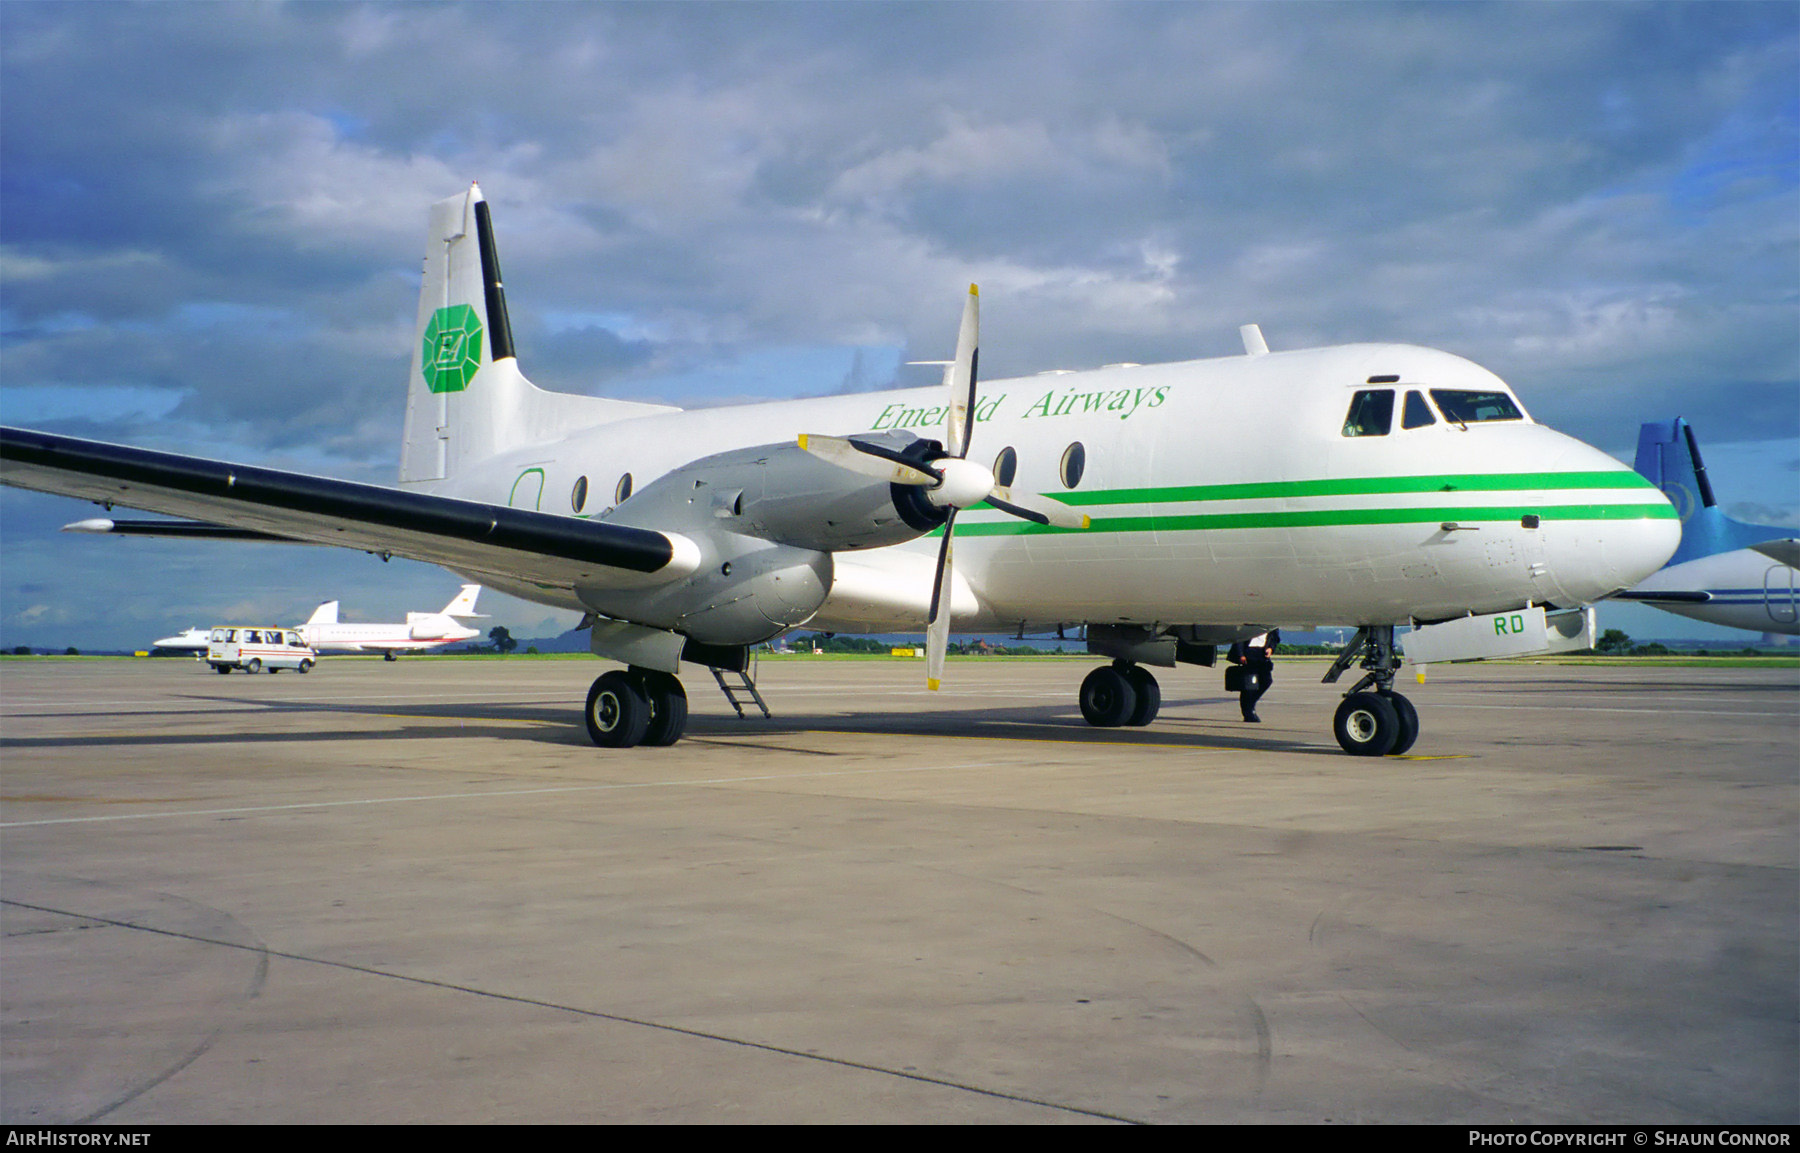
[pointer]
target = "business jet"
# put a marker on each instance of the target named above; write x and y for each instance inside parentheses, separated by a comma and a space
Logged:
(192, 640)
(1726, 571)
(324, 632)
(1167, 508)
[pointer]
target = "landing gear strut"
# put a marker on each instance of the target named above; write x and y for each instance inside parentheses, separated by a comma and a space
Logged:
(1379, 723)
(1120, 694)
(636, 706)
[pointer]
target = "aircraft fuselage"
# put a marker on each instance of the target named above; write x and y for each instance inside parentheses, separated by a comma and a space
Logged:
(1221, 491)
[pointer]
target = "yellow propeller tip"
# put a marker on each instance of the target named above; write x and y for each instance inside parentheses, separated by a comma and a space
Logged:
(1086, 521)
(974, 290)
(931, 683)
(802, 440)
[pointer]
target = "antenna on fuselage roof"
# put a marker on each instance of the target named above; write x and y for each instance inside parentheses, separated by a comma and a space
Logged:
(1254, 344)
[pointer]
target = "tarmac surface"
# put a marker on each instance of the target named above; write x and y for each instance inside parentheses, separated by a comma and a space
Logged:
(414, 892)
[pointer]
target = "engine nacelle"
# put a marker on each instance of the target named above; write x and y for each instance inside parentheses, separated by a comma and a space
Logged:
(766, 521)
(746, 590)
(782, 493)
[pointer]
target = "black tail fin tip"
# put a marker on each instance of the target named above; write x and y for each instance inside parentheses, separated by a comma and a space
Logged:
(500, 337)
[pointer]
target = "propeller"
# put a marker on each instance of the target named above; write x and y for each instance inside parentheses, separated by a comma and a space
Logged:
(950, 481)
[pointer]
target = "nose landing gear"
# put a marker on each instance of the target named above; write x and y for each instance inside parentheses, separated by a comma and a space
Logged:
(1379, 723)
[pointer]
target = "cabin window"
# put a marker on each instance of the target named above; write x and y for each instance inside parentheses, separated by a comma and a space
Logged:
(578, 498)
(1074, 463)
(1418, 411)
(622, 492)
(1006, 466)
(1471, 407)
(1371, 413)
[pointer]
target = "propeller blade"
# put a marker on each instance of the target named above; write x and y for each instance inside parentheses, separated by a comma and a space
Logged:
(871, 460)
(937, 626)
(959, 420)
(1037, 509)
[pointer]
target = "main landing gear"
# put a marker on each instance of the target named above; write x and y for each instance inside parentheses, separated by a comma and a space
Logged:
(1120, 694)
(636, 706)
(1379, 723)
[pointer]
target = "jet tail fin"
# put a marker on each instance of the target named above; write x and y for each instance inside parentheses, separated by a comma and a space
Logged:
(463, 605)
(466, 399)
(325, 614)
(1668, 456)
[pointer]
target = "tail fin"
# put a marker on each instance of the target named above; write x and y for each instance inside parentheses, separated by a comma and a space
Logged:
(325, 614)
(466, 400)
(1668, 456)
(464, 604)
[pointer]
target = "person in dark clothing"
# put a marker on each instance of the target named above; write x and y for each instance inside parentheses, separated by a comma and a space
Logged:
(1255, 660)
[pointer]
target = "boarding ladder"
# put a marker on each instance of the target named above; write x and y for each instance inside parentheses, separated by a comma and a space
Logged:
(746, 684)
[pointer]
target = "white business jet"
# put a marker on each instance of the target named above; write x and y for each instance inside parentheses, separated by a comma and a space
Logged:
(324, 632)
(1168, 508)
(192, 640)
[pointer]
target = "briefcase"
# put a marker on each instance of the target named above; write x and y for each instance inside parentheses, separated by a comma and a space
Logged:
(1239, 679)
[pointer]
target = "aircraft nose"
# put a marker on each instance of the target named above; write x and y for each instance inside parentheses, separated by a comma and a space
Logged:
(1634, 549)
(1622, 528)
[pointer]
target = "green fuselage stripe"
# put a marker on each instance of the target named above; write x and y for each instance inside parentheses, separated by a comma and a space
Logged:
(1330, 517)
(1362, 486)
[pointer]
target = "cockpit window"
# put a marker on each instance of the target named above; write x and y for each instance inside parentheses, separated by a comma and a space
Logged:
(1417, 413)
(1371, 413)
(1471, 407)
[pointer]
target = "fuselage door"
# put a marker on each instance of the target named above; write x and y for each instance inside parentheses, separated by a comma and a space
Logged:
(1778, 594)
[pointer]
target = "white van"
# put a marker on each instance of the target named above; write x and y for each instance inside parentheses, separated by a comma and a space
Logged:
(255, 649)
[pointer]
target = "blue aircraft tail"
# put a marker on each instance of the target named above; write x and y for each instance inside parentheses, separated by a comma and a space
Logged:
(1668, 457)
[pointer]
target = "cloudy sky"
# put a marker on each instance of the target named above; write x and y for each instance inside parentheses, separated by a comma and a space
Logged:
(211, 219)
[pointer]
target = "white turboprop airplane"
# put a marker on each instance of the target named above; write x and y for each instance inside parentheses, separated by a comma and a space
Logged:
(1726, 572)
(1371, 484)
(324, 632)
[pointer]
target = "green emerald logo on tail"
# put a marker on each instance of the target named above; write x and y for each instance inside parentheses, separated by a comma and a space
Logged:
(452, 349)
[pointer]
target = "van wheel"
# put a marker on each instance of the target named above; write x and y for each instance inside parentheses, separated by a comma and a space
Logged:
(221, 669)
(253, 666)
(305, 667)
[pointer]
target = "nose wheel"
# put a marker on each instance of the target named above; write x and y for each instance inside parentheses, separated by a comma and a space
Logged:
(1378, 723)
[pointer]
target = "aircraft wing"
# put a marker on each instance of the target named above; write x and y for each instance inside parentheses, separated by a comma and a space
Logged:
(464, 535)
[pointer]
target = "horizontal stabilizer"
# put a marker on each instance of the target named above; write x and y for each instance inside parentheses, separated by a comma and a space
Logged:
(1670, 596)
(1786, 551)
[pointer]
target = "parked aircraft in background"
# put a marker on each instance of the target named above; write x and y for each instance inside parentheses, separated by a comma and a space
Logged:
(324, 632)
(1169, 508)
(187, 641)
(1725, 572)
